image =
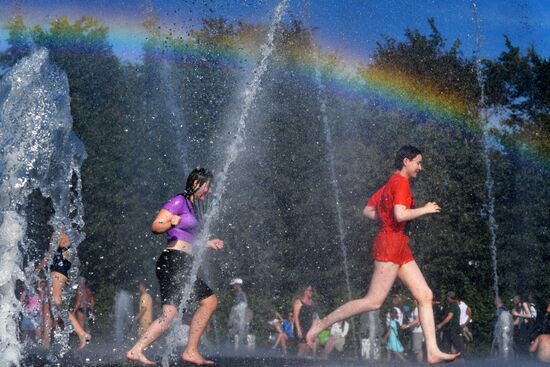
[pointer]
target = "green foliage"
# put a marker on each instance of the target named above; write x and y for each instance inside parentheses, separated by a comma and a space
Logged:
(18, 40)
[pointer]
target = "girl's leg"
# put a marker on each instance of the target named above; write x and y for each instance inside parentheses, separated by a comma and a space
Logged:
(328, 347)
(413, 279)
(277, 341)
(81, 317)
(284, 338)
(46, 324)
(156, 329)
(380, 285)
(196, 329)
(58, 283)
(38, 334)
(83, 336)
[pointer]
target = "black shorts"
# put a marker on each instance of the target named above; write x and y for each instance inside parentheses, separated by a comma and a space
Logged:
(60, 265)
(173, 273)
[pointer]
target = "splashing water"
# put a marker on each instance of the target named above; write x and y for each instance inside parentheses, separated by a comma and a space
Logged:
(38, 150)
(503, 340)
(489, 182)
(335, 189)
(371, 347)
(123, 316)
(233, 152)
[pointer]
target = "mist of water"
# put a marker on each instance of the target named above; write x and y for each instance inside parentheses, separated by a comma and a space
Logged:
(489, 182)
(503, 339)
(371, 346)
(175, 119)
(335, 189)
(38, 151)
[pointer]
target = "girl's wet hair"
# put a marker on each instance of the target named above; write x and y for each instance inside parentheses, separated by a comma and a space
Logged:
(201, 175)
(406, 151)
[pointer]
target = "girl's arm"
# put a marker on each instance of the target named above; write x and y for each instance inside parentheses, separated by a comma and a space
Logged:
(527, 310)
(164, 221)
(297, 308)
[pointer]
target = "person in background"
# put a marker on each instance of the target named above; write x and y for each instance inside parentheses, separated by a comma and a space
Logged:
(417, 337)
(523, 322)
(60, 264)
(178, 219)
(288, 326)
(541, 346)
(31, 320)
(397, 305)
(84, 303)
(145, 314)
(281, 338)
(393, 344)
(337, 338)
(451, 325)
(465, 321)
(304, 319)
(238, 325)
(47, 322)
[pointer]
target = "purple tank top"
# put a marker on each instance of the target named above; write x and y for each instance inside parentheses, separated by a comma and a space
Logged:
(185, 230)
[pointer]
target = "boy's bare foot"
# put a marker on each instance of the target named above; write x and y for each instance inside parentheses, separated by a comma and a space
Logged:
(138, 356)
(196, 358)
(440, 357)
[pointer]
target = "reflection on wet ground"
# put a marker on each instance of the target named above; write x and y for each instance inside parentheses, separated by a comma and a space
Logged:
(96, 357)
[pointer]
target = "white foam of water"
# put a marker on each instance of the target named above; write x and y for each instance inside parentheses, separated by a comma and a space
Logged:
(37, 151)
(124, 313)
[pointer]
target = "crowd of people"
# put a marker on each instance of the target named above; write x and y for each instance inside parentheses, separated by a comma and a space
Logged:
(402, 337)
(430, 332)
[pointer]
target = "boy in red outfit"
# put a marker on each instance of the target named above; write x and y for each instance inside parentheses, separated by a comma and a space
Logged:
(393, 206)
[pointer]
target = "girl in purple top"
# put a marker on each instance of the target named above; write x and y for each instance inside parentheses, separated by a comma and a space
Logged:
(178, 220)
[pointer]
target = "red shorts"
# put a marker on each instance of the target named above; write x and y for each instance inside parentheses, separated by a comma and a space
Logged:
(392, 247)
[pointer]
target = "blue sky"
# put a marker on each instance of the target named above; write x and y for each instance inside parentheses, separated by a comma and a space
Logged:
(350, 27)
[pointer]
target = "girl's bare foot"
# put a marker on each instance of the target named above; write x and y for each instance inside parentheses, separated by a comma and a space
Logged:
(138, 356)
(84, 341)
(440, 357)
(196, 358)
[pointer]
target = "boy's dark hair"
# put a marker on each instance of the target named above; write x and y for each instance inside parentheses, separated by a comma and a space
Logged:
(406, 151)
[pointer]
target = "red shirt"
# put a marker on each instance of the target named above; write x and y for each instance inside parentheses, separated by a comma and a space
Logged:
(396, 191)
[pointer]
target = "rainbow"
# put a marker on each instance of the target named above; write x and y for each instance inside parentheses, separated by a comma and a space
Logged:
(395, 88)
